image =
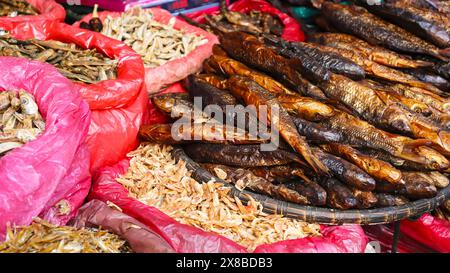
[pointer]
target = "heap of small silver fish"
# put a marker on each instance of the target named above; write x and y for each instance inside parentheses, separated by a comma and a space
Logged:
(80, 65)
(13, 8)
(157, 43)
(156, 179)
(20, 120)
(43, 237)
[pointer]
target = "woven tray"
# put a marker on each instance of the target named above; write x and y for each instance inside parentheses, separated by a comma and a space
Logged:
(321, 215)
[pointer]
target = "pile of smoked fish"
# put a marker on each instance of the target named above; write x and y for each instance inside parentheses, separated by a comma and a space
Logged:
(363, 113)
(78, 64)
(20, 120)
(14, 8)
(43, 237)
(155, 178)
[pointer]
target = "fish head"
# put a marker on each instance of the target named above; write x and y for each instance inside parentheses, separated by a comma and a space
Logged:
(27, 103)
(432, 158)
(383, 170)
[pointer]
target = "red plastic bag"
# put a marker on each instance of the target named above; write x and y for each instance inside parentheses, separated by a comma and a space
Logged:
(178, 69)
(53, 168)
(430, 231)
(117, 105)
(48, 9)
(291, 32)
(184, 238)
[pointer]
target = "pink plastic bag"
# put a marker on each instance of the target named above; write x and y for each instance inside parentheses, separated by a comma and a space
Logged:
(53, 168)
(48, 9)
(291, 32)
(178, 69)
(187, 239)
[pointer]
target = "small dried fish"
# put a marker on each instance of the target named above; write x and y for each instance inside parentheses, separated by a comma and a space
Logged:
(80, 65)
(157, 43)
(43, 237)
(13, 8)
(20, 120)
(155, 179)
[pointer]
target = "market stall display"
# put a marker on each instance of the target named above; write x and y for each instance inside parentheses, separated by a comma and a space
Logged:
(48, 176)
(16, 7)
(118, 104)
(170, 48)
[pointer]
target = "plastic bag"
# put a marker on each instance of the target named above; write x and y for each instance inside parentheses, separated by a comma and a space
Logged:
(292, 30)
(52, 170)
(117, 105)
(430, 231)
(178, 69)
(140, 238)
(48, 9)
(184, 238)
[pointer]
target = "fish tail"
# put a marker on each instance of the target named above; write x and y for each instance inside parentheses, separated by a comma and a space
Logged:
(317, 165)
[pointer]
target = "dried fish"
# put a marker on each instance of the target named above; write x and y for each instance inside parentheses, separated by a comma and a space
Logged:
(358, 21)
(374, 53)
(156, 42)
(239, 155)
(388, 200)
(155, 179)
(80, 65)
(43, 237)
(20, 120)
(338, 195)
(14, 8)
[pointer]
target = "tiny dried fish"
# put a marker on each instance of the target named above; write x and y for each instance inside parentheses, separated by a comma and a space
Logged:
(80, 65)
(157, 43)
(20, 120)
(155, 179)
(43, 237)
(13, 8)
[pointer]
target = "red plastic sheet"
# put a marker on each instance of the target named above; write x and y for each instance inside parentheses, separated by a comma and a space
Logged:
(429, 231)
(48, 9)
(178, 69)
(53, 168)
(117, 105)
(291, 32)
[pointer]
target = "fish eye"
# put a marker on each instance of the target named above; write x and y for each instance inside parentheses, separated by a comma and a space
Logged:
(435, 165)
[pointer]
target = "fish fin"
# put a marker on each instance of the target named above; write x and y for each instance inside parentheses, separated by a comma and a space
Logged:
(317, 165)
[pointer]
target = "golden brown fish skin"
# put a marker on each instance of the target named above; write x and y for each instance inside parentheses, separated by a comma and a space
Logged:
(253, 94)
(362, 134)
(173, 101)
(374, 53)
(367, 103)
(358, 21)
(230, 67)
(211, 133)
(214, 80)
(376, 168)
(278, 174)
(249, 50)
(304, 107)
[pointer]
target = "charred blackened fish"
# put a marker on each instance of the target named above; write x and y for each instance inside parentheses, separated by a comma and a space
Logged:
(429, 77)
(253, 94)
(315, 132)
(239, 155)
(315, 194)
(376, 168)
(239, 19)
(388, 200)
(358, 21)
(413, 19)
(338, 195)
(362, 134)
(192, 132)
(249, 50)
(374, 53)
(243, 179)
(346, 171)
(329, 60)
